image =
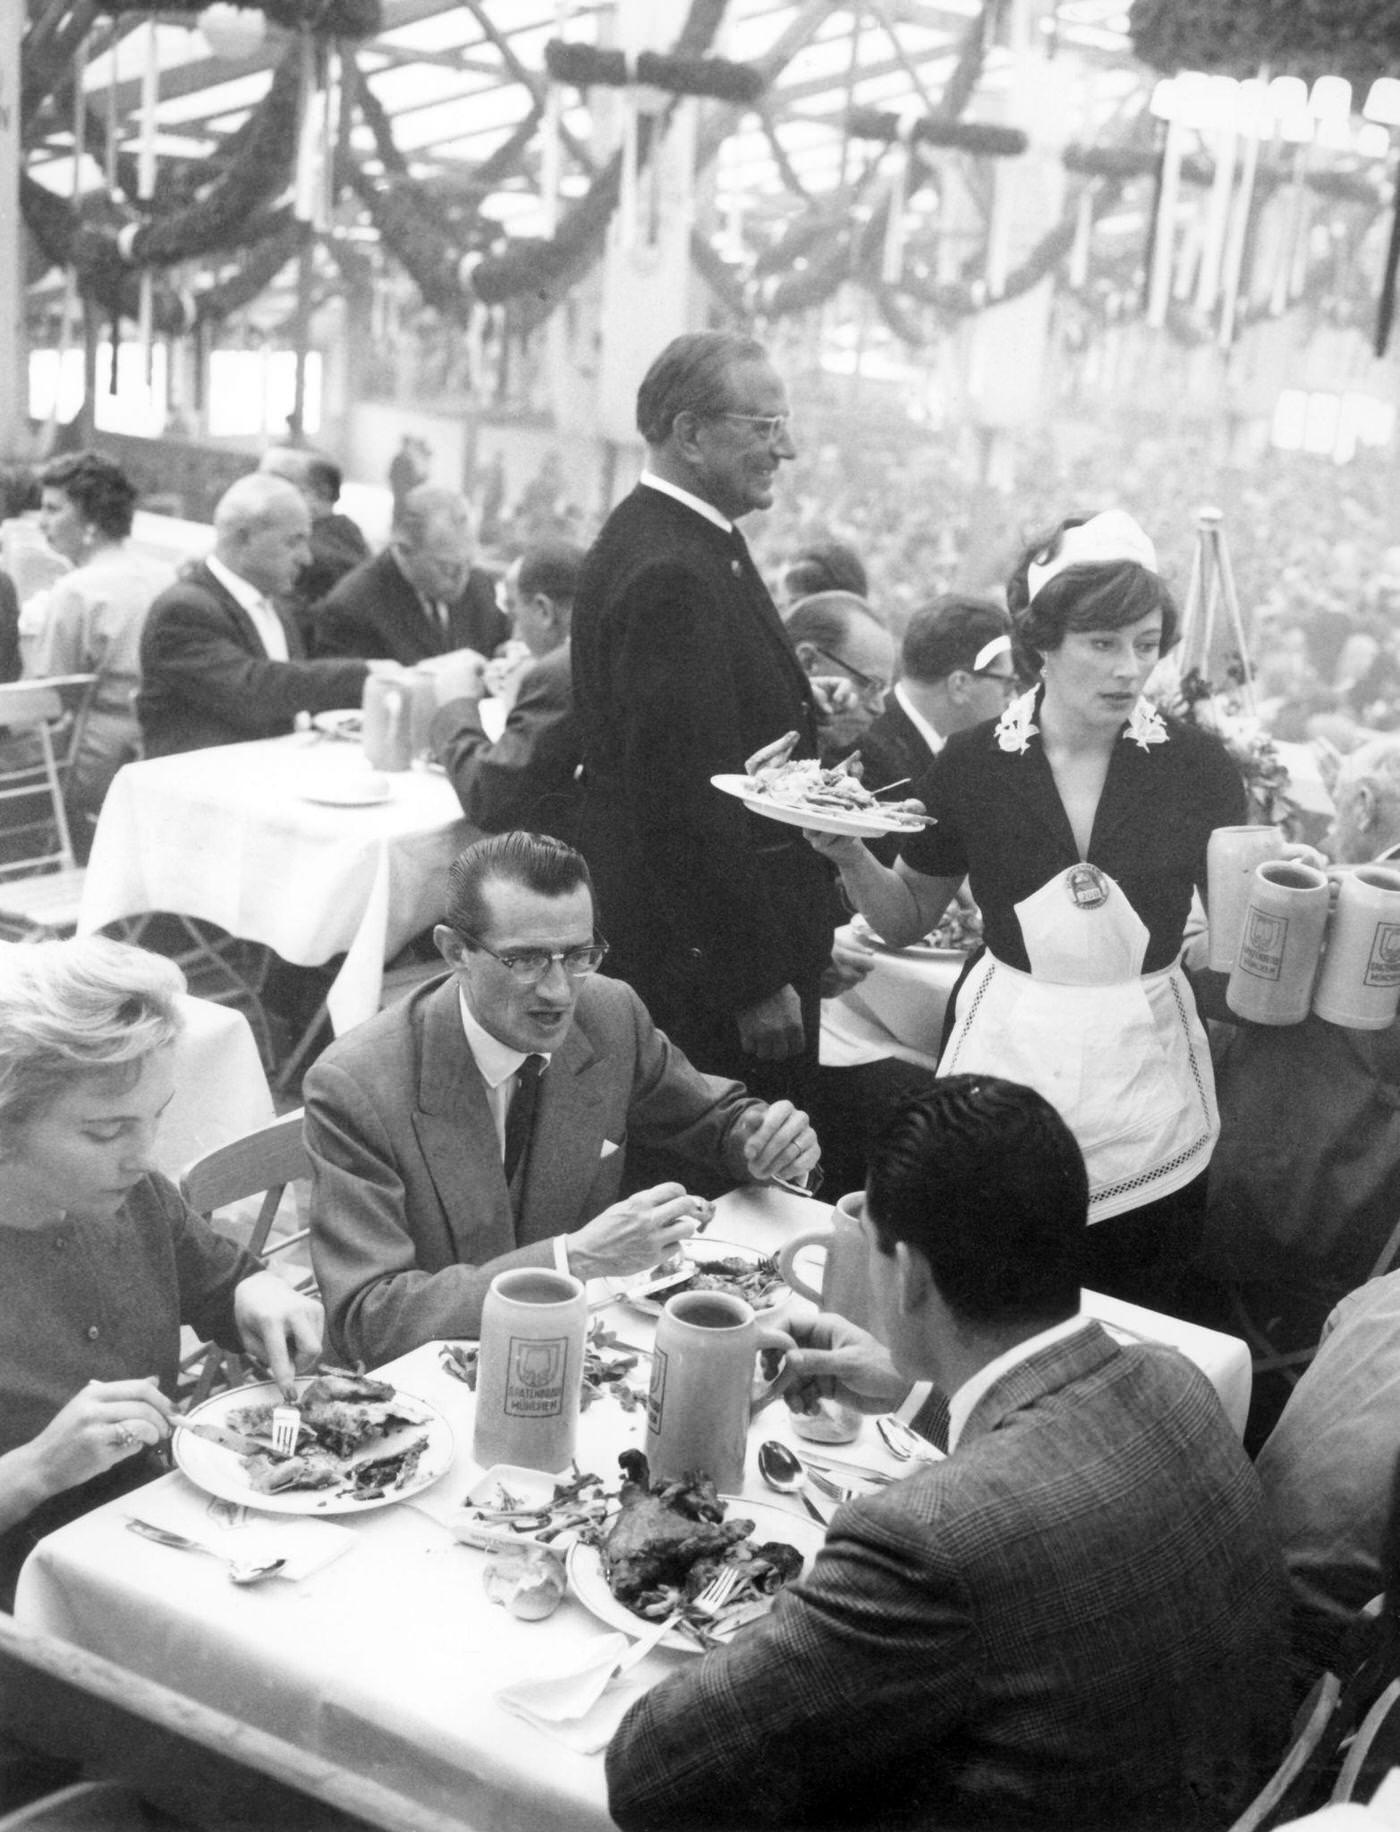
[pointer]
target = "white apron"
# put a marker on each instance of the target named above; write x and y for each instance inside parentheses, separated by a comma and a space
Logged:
(1121, 1054)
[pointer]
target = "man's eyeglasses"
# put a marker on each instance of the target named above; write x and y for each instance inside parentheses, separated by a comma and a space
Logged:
(528, 966)
(769, 426)
(1007, 682)
(868, 683)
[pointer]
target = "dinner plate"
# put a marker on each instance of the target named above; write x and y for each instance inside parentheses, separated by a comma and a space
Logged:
(856, 823)
(347, 723)
(365, 793)
(699, 1248)
(220, 1472)
(584, 1565)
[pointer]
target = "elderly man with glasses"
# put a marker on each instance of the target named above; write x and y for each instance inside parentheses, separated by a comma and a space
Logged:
(484, 1122)
(682, 670)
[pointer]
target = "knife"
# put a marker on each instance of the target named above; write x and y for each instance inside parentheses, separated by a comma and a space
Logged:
(836, 1468)
(231, 1440)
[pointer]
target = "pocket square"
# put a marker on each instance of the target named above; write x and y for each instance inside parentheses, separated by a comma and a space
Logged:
(609, 1147)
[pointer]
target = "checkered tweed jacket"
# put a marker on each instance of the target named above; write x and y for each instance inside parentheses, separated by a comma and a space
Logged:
(1076, 1621)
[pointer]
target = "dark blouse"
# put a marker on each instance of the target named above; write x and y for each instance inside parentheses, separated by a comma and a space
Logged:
(104, 1300)
(1000, 821)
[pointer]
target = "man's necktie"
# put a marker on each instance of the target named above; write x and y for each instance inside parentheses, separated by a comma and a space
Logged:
(520, 1117)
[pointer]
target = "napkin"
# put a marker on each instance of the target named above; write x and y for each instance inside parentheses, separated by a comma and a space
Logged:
(306, 1545)
(575, 1702)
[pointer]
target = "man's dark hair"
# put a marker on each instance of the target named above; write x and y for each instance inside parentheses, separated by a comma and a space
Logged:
(1105, 596)
(947, 633)
(826, 618)
(99, 490)
(984, 1179)
(552, 570)
(536, 861)
(691, 375)
(825, 566)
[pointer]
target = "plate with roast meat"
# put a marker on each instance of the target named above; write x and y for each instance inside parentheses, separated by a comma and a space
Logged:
(665, 1543)
(702, 1264)
(363, 1443)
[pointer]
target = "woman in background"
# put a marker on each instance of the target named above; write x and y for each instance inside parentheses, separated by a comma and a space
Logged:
(94, 617)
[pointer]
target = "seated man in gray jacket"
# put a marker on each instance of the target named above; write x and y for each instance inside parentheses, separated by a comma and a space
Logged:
(484, 1122)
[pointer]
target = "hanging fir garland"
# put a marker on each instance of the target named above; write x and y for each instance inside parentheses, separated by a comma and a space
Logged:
(1358, 39)
(328, 18)
(584, 66)
(982, 137)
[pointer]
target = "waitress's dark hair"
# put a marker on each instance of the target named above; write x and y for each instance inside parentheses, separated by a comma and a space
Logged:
(985, 1180)
(1104, 596)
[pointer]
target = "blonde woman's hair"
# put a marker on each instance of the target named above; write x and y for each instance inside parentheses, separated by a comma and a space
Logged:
(70, 1008)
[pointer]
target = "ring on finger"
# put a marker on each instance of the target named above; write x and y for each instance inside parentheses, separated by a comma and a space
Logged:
(125, 1437)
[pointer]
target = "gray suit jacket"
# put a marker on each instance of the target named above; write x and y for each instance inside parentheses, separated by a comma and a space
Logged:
(528, 777)
(1076, 1621)
(411, 1217)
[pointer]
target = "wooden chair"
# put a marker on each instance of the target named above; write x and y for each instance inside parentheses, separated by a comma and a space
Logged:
(195, 1768)
(41, 883)
(261, 1163)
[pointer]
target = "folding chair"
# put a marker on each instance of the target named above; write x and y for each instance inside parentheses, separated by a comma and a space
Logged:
(261, 1163)
(197, 1769)
(41, 884)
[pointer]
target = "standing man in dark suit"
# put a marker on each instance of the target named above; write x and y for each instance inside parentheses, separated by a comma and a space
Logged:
(528, 776)
(1075, 1620)
(220, 663)
(422, 596)
(682, 670)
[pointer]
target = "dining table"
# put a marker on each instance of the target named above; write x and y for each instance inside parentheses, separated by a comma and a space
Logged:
(896, 1009)
(380, 1649)
(291, 842)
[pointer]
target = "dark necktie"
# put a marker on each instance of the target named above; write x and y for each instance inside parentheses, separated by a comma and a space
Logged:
(521, 1115)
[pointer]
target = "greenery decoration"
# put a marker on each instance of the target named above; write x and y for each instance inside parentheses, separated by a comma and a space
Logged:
(585, 66)
(984, 137)
(1358, 39)
(326, 18)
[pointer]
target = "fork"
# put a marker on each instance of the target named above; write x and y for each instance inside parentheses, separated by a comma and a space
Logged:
(286, 1426)
(717, 1592)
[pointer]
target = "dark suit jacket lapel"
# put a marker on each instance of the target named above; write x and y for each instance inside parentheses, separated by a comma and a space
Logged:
(401, 615)
(247, 629)
(456, 1131)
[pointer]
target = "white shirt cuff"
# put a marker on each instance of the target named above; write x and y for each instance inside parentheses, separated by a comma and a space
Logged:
(561, 1254)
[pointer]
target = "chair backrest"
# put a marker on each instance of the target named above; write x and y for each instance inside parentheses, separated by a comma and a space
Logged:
(187, 1759)
(263, 1161)
(33, 821)
(76, 693)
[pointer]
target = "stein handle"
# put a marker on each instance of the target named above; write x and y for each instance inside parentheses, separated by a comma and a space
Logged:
(763, 1392)
(814, 1237)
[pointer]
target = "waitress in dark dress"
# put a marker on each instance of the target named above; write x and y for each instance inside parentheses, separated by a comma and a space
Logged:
(1080, 819)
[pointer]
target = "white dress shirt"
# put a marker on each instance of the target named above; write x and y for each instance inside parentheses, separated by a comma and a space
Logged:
(266, 622)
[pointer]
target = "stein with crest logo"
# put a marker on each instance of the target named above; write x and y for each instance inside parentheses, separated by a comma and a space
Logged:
(530, 1370)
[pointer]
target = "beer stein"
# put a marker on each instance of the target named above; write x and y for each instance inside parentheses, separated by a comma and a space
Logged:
(1281, 944)
(1359, 986)
(703, 1387)
(530, 1369)
(1231, 856)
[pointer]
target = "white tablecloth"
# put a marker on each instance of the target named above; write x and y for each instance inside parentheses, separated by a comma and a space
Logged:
(230, 835)
(387, 1660)
(221, 1091)
(896, 1010)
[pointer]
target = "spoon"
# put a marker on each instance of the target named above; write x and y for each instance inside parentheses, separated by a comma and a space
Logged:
(783, 1471)
(903, 1442)
(240, 1571)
